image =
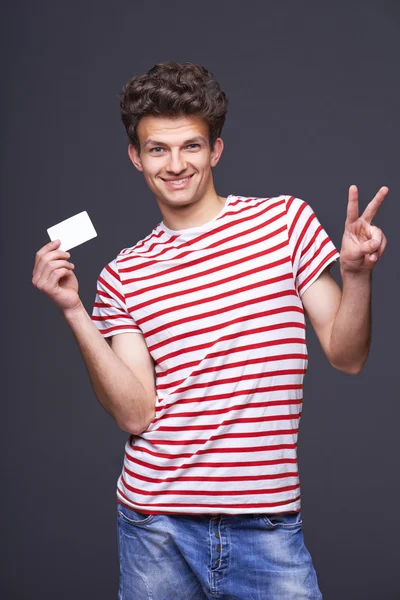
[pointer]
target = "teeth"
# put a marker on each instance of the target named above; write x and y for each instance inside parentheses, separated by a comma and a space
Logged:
(179, 181)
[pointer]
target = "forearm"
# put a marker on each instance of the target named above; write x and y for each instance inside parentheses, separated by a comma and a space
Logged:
(351, 331)
(120, 393)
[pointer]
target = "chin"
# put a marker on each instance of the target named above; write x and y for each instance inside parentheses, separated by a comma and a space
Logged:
(182, 201)
(176, 198)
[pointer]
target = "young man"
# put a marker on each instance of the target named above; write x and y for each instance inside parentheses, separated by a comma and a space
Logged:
(206, 354)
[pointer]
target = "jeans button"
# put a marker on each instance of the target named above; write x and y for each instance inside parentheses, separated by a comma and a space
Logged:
(217, 534)
(218, 548)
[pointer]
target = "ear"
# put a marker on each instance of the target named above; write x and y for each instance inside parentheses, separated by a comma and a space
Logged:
(135, 157)
(217, 151)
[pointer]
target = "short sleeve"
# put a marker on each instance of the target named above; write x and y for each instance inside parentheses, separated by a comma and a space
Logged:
(110, 314)
(311, 248)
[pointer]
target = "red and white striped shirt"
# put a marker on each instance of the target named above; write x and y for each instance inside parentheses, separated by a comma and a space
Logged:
(219, 307)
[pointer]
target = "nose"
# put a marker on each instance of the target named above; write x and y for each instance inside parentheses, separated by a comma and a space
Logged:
(176, 163)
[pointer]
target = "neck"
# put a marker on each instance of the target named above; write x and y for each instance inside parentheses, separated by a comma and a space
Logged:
(197, 213)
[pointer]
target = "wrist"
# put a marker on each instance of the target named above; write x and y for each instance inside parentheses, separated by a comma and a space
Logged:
(360, 280)
(73, 313)
(356, 275)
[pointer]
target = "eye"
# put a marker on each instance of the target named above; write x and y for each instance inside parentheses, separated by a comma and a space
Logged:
(156, 148)
(191, 145)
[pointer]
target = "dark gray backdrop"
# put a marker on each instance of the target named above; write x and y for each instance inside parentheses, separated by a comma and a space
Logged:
(314, 107)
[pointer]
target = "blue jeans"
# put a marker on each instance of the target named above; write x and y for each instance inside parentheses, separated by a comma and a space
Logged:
(230, 557)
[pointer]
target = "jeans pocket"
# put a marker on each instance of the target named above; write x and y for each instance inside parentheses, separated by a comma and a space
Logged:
(283, 521)
(133, 517)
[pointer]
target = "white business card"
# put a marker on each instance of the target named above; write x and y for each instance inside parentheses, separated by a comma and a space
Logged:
(73, 231)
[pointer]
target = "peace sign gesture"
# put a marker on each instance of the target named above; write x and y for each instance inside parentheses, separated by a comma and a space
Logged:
(363, 243)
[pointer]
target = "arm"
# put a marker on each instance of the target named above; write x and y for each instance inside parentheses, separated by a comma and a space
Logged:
(122, 375)
(342, 320)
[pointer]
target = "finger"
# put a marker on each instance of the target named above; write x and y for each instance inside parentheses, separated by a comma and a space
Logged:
(376, 240)
(375, 243)
(48, 286)
(51, 255)
(382, 246)
(46, 258)
(376, 233)
(47, 248)
(49, 269)
(53, 281)
(352, 205)
(373, 207)
(369, 247)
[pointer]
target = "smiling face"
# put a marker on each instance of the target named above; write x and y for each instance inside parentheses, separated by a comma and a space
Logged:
(176, 159)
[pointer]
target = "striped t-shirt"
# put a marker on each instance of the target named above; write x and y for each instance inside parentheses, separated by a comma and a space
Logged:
(219, 307)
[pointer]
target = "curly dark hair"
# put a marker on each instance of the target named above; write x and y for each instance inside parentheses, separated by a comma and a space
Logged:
(171, 89)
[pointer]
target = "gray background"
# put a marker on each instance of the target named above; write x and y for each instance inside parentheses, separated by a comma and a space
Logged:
(314, 108)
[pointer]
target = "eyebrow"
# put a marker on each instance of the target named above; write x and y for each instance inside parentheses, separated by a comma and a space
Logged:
(198, 138)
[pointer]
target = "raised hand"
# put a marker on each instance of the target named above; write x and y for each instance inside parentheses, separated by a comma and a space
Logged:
(363, 243)
(53, 275)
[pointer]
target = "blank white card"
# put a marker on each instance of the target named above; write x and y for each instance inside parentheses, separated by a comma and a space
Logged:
(73, 231)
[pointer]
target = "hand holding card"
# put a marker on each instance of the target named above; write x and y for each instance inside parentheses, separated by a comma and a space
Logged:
(73, 231)
(54, 275)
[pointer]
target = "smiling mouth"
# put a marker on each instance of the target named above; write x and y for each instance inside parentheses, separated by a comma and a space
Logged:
(178, 181)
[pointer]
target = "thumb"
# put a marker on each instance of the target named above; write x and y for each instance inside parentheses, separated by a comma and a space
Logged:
(370, 246)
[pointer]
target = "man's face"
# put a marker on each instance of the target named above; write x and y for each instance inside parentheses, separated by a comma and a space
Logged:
(175, 158)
